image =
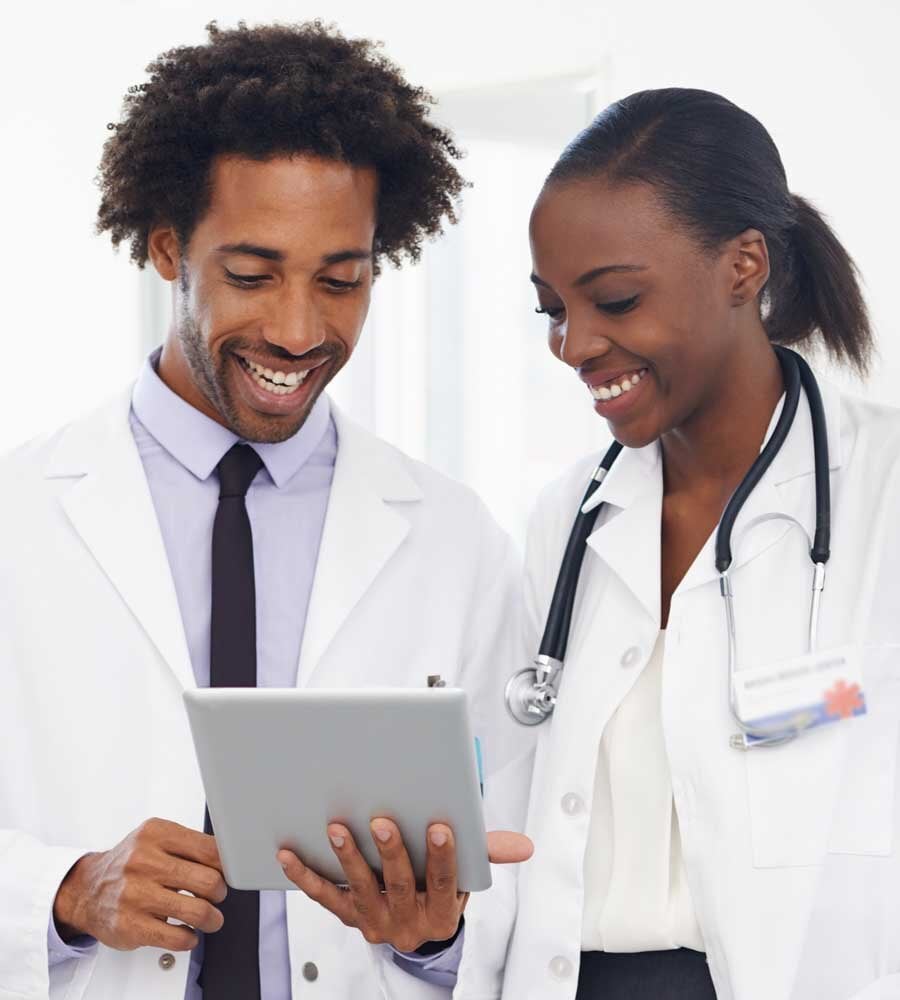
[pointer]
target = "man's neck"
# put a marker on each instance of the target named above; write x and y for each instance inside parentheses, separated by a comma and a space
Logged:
(173, 369)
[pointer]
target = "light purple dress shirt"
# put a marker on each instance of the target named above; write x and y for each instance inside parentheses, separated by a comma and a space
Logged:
(180, 449)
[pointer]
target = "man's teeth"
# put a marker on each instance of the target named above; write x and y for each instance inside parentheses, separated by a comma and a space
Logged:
(278, 383)
(625, 384)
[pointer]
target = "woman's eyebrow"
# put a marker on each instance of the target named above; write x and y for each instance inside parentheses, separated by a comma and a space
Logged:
(597, 272)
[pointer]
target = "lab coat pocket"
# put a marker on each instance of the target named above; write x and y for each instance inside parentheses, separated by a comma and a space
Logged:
(832, 789)
(863, 818)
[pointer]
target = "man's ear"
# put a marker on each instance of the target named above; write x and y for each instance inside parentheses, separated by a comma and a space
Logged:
(164, 250)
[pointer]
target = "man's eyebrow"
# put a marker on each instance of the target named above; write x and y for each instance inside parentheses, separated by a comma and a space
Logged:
(342, 255)
(267, 253)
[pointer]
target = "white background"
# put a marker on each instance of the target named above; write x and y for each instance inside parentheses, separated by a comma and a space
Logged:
(453, 367)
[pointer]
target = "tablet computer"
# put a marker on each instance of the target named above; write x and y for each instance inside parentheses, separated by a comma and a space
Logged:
(279, 764)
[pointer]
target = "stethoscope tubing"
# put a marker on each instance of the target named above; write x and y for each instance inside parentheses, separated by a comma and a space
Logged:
(559, 618)
(534, 704)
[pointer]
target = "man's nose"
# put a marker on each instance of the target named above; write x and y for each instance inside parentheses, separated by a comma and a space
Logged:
(296, 326)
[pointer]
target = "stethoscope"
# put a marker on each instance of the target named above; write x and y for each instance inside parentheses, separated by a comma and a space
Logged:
(531, 693)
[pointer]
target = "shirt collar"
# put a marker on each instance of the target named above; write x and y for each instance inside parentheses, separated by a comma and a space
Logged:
(198, 442)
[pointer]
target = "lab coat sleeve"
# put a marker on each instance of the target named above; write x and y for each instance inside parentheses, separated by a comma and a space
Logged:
(30, 875)
(503, 647)
(493, 651)
(490, 916)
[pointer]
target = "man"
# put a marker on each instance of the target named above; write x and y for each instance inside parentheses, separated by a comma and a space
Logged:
(222, 504)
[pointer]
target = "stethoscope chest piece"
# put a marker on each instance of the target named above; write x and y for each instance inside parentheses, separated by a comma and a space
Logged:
(531, 692)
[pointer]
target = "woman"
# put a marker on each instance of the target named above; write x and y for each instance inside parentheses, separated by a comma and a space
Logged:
(669, 258)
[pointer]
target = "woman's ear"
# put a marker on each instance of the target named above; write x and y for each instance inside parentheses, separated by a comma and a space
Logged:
(750, 265)
(164, 250)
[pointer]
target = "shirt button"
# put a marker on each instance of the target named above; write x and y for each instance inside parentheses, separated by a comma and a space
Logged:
(572, 804)
(166, 961)
(630, 656)
(310, 972)
(560, 967)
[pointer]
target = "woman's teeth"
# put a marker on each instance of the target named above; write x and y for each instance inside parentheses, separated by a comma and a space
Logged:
(278, 383)
(625, 384)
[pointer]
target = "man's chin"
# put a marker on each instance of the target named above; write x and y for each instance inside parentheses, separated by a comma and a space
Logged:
(260, 428)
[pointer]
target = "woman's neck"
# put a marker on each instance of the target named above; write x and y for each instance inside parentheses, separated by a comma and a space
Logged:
(711, 451)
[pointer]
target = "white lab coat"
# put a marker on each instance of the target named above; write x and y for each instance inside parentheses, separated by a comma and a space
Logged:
(792, 852)
(413, 578)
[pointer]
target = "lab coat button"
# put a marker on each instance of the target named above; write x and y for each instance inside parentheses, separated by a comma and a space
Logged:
(630, 656)
(572, 804)
(561, 967)
(310, 972)
(166, 961)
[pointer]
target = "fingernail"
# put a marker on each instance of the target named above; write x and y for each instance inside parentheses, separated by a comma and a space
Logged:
(284, 866)
(336, 839)
(383, 833)
(438, 838)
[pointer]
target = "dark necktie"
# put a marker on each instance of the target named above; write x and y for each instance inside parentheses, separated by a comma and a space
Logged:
(231, 956)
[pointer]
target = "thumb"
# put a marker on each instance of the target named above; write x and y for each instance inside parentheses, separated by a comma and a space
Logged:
(506, 847)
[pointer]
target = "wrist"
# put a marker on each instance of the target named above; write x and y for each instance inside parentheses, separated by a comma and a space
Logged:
(434, 947)
(68, 905)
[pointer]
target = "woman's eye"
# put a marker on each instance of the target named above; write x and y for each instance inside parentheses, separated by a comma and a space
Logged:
(619, 307)
(552, 312)
(249, 280)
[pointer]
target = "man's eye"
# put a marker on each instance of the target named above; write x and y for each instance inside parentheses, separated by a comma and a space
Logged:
(621, 306)
(553, 313)
(252, 280)
(341, 286)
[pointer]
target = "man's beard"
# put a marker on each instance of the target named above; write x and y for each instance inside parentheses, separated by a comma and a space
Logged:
(210, 375)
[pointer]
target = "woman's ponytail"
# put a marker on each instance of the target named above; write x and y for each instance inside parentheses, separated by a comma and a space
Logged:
(717, 170)
(816, 292)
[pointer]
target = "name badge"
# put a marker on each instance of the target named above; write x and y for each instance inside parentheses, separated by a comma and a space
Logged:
(810, 690)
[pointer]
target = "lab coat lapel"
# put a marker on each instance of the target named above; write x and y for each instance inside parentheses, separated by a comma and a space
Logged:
(110, 507)
(628, 537)
(787, 490)
(362, 532)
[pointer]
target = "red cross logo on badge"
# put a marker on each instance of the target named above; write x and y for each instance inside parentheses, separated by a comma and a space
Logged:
(843, 700)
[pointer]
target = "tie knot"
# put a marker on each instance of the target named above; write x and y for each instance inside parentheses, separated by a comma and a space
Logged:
(236, 470)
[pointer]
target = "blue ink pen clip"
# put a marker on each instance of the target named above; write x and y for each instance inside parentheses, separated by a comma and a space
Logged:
(436, 681)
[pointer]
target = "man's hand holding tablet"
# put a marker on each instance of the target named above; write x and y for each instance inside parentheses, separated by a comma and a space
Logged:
(400, 915)
(289, 773)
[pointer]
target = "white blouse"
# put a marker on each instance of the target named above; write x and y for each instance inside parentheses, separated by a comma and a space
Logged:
(636, 894)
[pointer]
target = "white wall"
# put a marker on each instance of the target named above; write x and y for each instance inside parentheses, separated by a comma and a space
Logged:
(822, 76)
